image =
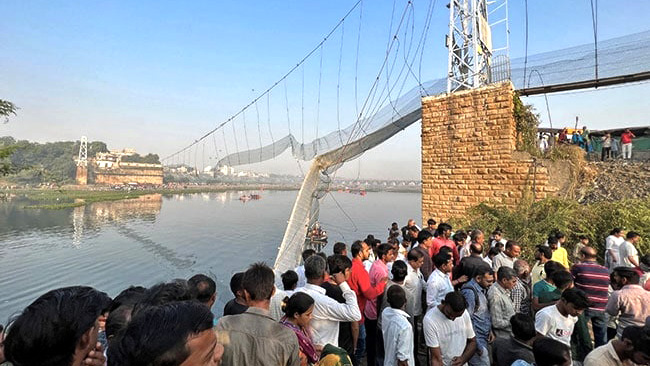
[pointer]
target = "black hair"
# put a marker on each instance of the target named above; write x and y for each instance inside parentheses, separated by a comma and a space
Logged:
(639, 337)
(298, 303)
(414, 255)
(499, 245)
(289, 280)
(628, 273)
(258, 282)
(315, 267)
(396, 297)
(48, 330)
(423, 235)
(158, 335)
(576, 297)
(511, 243)
(631, 235)
(338, 263)
(582, 237)
(117, 321)
(523, 327)
(552, 240)
(456, 301)
(483, 269)
(559, 235)
(355, 248)
(506, 273)
(645, 259)
(551, 267)
(442, 227)
(494, 250)
(322, 255)
(203, 287)
(497, 231)
(338, 248)
(446, 250)
(459, 236)
(383, 249)
(615, 230)
(235, 282)
(307, 253)
(431, 222)
(164, 293)
(561, 279)
(441, 259)
(129, 296)
(549, 352)
(545, 251)
(399, 271)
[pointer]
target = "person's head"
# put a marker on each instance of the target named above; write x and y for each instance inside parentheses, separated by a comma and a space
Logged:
(396, 297)
(299, 308)
(339, 263)
(385, 253)
(549, 352)
(633, 237)
(623, 276)
(165, 293)
(523, 327)
(425, 238)
(454, 305)
(588, 254)
(513, 250)
(307, 253)
(415, 258)
(459, 237)
(443, 262)
(561, 238)
(477, 236)
(553, 242)
(494, 251)
(562, 279)
(129, 296)
(551, 267)
(497, 234)
(413, 232)
(543, 253)
(360, 250)
(289, 280)
(507, 277)
(204, 289)
(398, 271)
(174, 334)
(340, 248)
(410, 223)
(573, 302)
(500, 247)
(258, 284)
(522, 269)
(484, 275)
(315, 269)
(117, 321)
(476, 249)
(394, 226)
(636, 344)
(583, 239)
(444, 230)
(617, 231)
(235, 285)
(431, 223)
(58, 328)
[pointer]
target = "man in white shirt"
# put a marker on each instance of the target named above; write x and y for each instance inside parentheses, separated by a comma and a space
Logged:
(507, 257)
(300, 270)
(557, 321)
(633, 347)
(439, 283)
(448, 332)
(414, 284)
(328, 312)
(612, 244)
(397, 330)
(627, 253)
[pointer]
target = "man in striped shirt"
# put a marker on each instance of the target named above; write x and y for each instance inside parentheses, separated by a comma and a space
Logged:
(593, 279)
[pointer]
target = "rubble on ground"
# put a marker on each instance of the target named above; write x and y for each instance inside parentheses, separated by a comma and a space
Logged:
(614, 180)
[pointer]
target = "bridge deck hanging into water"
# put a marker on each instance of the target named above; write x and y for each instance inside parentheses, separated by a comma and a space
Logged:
(617, 61)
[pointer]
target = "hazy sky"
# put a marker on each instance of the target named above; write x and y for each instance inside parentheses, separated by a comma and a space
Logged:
(156, 75)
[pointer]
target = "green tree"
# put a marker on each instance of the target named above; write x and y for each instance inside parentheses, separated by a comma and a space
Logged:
(7, 109)
(6, 149)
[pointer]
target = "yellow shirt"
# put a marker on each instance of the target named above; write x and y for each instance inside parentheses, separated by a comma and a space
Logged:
(560, 255)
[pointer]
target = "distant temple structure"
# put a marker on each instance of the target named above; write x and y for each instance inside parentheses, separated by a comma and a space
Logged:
(108, 168)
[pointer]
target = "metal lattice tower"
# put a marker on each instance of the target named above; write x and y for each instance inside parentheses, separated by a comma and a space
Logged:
(82, 160)
(470, 43)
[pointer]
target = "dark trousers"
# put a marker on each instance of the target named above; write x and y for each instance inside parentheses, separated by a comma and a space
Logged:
(371, 341)
(580, 339)
(599, 325)
(605, 153)
(419, 349)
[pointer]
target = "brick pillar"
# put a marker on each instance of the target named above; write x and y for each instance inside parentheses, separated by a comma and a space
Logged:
(82, 175)
(468, 153)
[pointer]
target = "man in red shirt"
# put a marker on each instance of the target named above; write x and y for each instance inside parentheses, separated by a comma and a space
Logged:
(443, 240)
(359, 282)
(626, 143)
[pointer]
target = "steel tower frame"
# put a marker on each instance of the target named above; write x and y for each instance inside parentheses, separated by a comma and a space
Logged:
(82, 160)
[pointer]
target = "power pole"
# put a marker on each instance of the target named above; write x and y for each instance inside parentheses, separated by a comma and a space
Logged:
(470, 43)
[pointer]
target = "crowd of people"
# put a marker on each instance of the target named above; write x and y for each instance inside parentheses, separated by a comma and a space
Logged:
(611, 148)
(427, 296)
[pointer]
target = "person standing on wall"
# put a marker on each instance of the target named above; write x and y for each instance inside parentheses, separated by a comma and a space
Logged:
(626, 143)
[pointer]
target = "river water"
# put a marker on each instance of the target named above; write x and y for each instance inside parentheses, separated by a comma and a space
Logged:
(112, 245)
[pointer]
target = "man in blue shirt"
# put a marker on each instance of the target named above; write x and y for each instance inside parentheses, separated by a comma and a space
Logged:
(474, 292)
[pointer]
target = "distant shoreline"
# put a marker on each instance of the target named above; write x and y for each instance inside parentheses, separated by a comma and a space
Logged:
(75, 196)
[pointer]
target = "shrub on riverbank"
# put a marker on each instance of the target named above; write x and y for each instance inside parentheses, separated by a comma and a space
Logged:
(530, 223)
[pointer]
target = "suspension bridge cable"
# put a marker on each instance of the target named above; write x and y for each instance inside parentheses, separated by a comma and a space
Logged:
(338, 86)
(259, 128)
(302, 108)
(432, 5)
(594, 22)
(320, 79)
(225, 145)
(301, 62)
(234, 137)
(268, 119)
(548, 109)
(356, 63)
(248, 148)
(526, 48)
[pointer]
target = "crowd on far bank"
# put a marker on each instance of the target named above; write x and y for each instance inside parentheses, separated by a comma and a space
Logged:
(424, 296)
(611, 148)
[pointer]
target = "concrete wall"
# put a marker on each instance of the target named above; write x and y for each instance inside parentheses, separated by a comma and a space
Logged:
(123, 176)
(468, 153)
(81, 177)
